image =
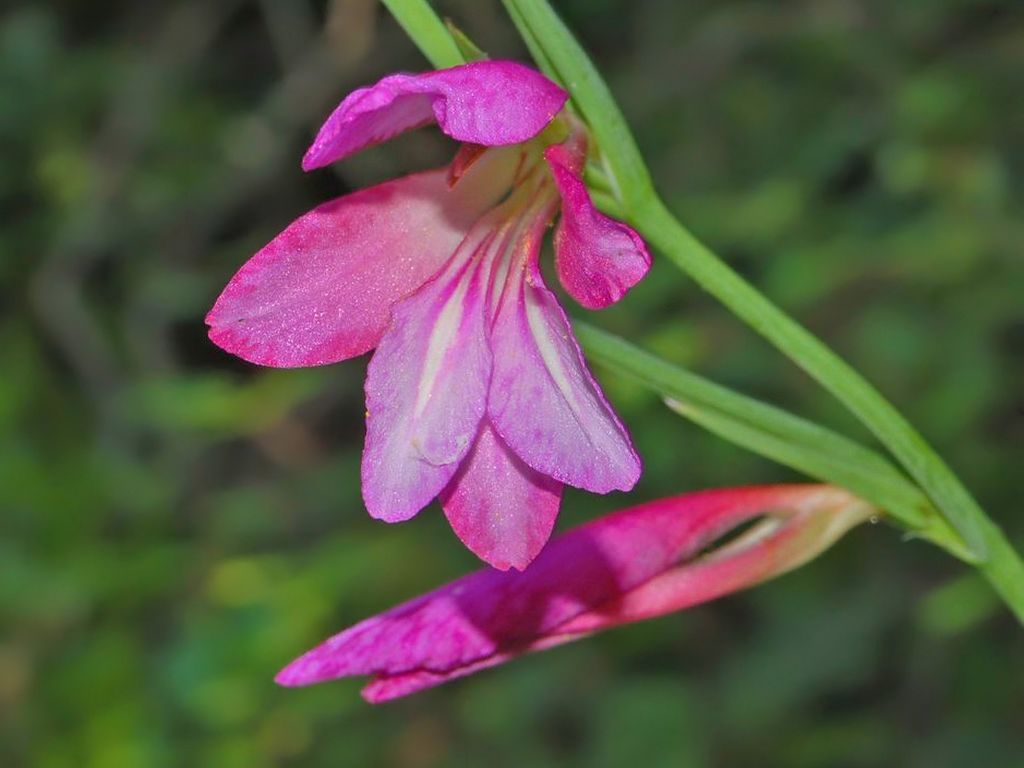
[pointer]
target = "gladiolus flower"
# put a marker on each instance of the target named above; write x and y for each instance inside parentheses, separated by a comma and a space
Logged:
(636, 564)
(478, 392)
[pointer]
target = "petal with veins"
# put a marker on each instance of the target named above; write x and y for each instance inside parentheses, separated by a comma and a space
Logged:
(597, 258)
(501, 509)
(426, 391)
(544, 402)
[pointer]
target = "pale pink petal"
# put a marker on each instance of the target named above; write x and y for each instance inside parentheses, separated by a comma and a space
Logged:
(426, 391)
(501, 509)
(597, 258)
(493, 103)
(322, 290)
(544, 402)
(637, 563)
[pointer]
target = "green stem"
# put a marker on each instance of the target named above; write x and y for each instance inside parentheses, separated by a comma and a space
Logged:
(535, 48)
(429, 33)
(1003, 569)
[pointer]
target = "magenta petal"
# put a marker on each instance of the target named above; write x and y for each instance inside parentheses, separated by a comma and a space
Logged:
(597, 258)
(322, 290)
(426, 391)
(544, 402)
(493, 103)
(633, 564)
(501, 509)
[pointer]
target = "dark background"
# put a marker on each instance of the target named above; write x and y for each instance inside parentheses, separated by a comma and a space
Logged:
(176, 525)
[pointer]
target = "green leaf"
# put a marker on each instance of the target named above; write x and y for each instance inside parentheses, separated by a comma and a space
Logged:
(470, 51)
(532, 45)
(775, 434)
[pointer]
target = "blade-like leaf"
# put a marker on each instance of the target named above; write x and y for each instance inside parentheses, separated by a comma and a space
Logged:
(775, 434)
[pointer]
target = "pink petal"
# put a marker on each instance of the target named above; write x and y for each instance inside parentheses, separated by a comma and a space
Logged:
(426, 391)
(544, 402)
(597, 258)
(322, 290)
(493, 103)
(501, 509)
(634, 564)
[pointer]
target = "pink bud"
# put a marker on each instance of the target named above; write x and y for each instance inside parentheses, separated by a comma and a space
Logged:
(635, 564)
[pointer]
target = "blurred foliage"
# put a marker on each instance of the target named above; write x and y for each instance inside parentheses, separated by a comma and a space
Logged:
(177, 525)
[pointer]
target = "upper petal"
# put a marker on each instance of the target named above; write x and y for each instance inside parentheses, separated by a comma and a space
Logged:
(597, 258)
(545, 403)
(426, 391)
(501, 508)
(322, 290)
(492, 103)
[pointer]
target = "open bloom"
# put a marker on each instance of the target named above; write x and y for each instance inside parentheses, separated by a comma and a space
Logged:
(477, 392)
(632, 565)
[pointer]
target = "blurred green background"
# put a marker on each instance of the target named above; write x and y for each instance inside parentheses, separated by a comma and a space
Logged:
(176, 525)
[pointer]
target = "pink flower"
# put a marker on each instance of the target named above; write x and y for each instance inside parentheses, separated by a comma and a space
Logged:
(478, 393)
(635, 564)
